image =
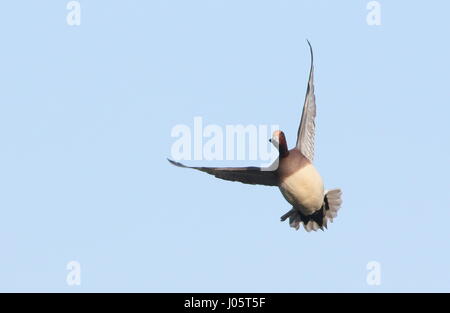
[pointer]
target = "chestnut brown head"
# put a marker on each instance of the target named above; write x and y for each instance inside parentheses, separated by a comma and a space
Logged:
(279, 141)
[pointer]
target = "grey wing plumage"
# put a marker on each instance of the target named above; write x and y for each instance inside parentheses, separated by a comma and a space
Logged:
(246, 175)
(306, 130)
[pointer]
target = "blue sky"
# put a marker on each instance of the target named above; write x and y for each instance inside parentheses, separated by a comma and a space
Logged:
(86, 114)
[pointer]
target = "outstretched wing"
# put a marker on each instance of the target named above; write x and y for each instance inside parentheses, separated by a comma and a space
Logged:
(246, 175)
(307, 128)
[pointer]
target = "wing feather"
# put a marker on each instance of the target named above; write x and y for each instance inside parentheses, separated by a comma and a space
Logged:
(247, 175)
(307, 128)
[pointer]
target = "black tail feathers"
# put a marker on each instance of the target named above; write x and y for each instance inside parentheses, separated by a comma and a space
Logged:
(319, 219)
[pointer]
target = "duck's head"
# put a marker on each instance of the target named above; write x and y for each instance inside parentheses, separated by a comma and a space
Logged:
(279, 141)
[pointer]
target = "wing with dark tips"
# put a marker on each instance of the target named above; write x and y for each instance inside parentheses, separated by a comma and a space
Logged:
(246, 175)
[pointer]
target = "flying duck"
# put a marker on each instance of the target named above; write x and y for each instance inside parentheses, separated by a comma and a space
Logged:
(296, 177)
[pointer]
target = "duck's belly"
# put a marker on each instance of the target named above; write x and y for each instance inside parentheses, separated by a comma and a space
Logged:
(304, 189)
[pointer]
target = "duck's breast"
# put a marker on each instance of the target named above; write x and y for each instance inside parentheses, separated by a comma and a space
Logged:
(302, 186)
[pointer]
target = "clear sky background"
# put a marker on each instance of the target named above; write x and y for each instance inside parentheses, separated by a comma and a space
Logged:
(85, 119)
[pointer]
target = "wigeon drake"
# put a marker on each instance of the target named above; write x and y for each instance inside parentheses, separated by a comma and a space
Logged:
(299, 182)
